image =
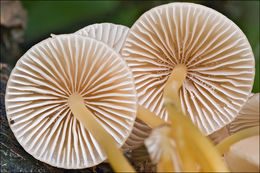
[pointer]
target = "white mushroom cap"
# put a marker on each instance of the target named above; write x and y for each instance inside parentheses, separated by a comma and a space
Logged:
(114, 35)
(243, 156)
(217, 55)
(248, 116)
(37, 99)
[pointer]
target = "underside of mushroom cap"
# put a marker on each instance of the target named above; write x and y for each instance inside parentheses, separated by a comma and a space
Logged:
(37, 99)
(140, 132)
(216, 53)
(112, 34)
(247, 117)
(219, 135)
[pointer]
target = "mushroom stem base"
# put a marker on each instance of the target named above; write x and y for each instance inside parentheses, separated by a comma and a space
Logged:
(104, 139)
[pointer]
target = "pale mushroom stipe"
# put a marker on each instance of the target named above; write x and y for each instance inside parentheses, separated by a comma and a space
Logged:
(66, 75)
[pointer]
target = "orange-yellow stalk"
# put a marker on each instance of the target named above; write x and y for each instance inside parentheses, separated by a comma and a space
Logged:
(188, 163)
(175, 81)
(149, 117)
(205, 156)
(105, 140)
(224, 145)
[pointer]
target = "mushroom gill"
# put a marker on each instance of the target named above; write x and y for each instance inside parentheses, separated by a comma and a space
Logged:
(248, 116)
(215, 52)
(114, 35)
(39, 88)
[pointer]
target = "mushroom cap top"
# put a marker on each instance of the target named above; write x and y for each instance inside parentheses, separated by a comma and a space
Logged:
(37, 99)
(217, 55)
(248, 116)
(112, 34)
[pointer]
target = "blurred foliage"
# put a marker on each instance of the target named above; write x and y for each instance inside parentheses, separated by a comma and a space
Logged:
(46, 17)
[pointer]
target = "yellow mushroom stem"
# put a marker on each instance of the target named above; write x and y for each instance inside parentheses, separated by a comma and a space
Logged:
(205, 153)
(188, 163)
(149, 117)
(166, 161)
(169, 161)
(224, 145)
(173, 84)
(105, 140)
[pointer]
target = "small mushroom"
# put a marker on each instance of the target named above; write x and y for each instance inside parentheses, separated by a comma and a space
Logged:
(248, 116)
(114, 36)
(62, 85)
(243, 156)
(207, 50)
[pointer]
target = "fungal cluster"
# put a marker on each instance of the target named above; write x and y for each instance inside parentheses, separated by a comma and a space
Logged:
(181, 73)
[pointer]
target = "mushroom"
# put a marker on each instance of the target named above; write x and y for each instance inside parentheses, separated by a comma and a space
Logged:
(181, 147)
(245, 125)
(243, 156)
(241, 150)
(248, 116)
(210, 54)
(114, 35)
(62, 85)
